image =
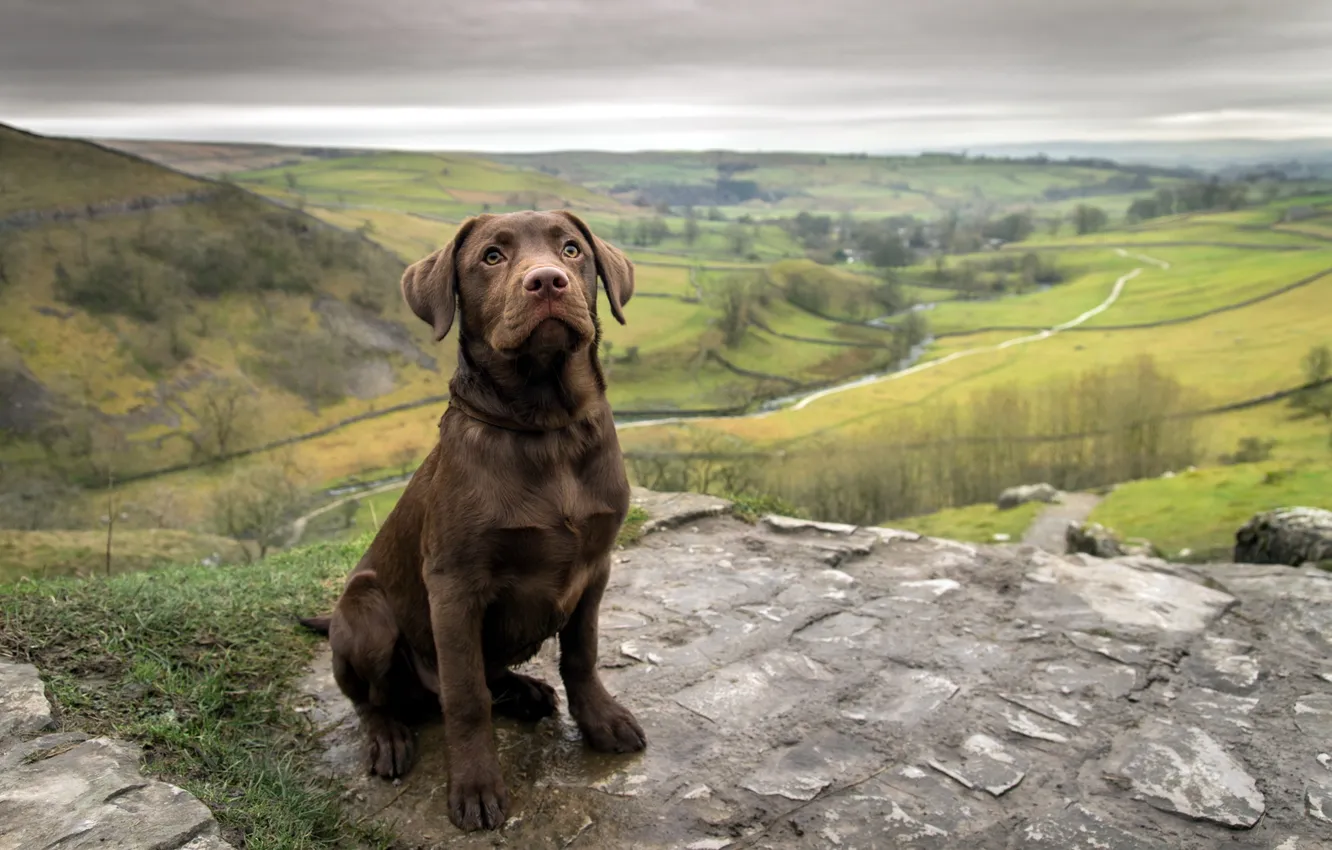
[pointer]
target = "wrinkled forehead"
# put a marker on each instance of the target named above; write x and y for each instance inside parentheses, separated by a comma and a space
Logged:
(523, 229)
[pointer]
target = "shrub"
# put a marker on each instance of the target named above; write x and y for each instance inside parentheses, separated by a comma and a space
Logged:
(1250, 450)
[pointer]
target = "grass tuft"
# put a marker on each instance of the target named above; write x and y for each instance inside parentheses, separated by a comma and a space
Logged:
(974, 523)
(197, 664)
(632, 529)
(753, 507)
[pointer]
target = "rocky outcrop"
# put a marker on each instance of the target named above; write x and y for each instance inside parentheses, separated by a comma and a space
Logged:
(1092, 538)
(1021, 495)
(823, 685)
(370, 333)
(1290, 536)
(820, 685)
(62, 789)
(28, 404)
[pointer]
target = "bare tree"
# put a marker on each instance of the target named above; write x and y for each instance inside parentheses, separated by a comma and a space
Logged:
(735, 297)
(257, 505)
(111, 509)
(405, 459)
(225, 413)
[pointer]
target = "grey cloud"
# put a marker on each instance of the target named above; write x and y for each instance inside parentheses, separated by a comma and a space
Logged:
(1039, 62)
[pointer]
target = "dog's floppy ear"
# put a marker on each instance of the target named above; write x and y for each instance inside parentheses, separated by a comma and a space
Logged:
(430, 285)
(613, 267)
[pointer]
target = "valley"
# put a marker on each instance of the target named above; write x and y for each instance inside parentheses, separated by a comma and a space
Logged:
(802, 326)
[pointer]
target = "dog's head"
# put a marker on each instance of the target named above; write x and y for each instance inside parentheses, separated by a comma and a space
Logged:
(525, 283)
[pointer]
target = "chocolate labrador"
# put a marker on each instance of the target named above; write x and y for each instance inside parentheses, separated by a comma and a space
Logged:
(502, 538)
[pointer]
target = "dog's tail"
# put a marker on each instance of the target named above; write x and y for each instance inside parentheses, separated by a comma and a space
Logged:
(316, 624)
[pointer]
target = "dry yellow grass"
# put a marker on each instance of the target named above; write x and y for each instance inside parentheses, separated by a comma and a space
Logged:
(83, 553)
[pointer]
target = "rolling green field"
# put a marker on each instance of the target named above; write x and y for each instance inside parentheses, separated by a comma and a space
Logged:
(1197, 512)
(448, 186)
(1234, 324)
(1237, 323)
(787, 183)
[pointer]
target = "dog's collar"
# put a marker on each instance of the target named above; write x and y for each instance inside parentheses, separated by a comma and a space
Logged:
(503, 424)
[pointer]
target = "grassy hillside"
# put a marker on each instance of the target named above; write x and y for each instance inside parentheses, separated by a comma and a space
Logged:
(221, 159)
(54, 174)
(148, 318)
(447, 186)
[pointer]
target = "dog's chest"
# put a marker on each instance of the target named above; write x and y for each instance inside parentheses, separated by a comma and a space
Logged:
(545, 562)
(556, 526)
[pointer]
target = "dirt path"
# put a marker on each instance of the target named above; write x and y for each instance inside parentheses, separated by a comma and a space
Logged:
(298, 524)
(1047, 530)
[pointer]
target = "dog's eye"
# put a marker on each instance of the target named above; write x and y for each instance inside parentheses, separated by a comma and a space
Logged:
(492, 257)
(571, 250)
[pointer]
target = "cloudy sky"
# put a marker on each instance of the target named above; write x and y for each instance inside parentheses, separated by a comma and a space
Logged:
(519, 75)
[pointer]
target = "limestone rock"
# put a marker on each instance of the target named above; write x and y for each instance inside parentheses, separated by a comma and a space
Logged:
(1182, 769)
(1079, 828)
(1120, 597)
(24, 711)
(1290, 536)
(806, 686)
(985, 764)
(62, 790)
(1092, 538)
(1318, 800)
(1223, 664)
(1020, 495)
(668, 510)
(95, 796)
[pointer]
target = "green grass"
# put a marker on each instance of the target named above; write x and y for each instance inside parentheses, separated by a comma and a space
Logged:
(1201, 510)
(751, 507)
(198, 665)
(632, 529)
(974, 523)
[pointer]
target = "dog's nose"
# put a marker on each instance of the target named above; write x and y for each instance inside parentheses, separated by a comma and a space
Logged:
(546, 282)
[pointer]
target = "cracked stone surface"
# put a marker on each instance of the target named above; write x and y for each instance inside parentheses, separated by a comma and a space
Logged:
(825, 686)
(1184, 770)
(64, 790)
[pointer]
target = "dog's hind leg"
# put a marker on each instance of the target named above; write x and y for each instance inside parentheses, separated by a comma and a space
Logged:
(520, 697)
(374, 669)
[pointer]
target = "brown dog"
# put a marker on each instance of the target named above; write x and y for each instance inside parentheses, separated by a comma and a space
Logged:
(502, 538)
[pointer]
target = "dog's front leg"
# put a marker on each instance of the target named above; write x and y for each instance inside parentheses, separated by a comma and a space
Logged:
(606, 725)
(477, 796)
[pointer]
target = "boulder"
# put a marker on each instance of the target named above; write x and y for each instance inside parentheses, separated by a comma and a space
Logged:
(1092, 538)
(1290, 536)
(1014, 496)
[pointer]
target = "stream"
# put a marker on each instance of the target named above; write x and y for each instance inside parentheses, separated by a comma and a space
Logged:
(911, 365)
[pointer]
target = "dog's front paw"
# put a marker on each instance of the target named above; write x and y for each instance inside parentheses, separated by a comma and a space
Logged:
(389, 748)
(610, 728)
(477, 797)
